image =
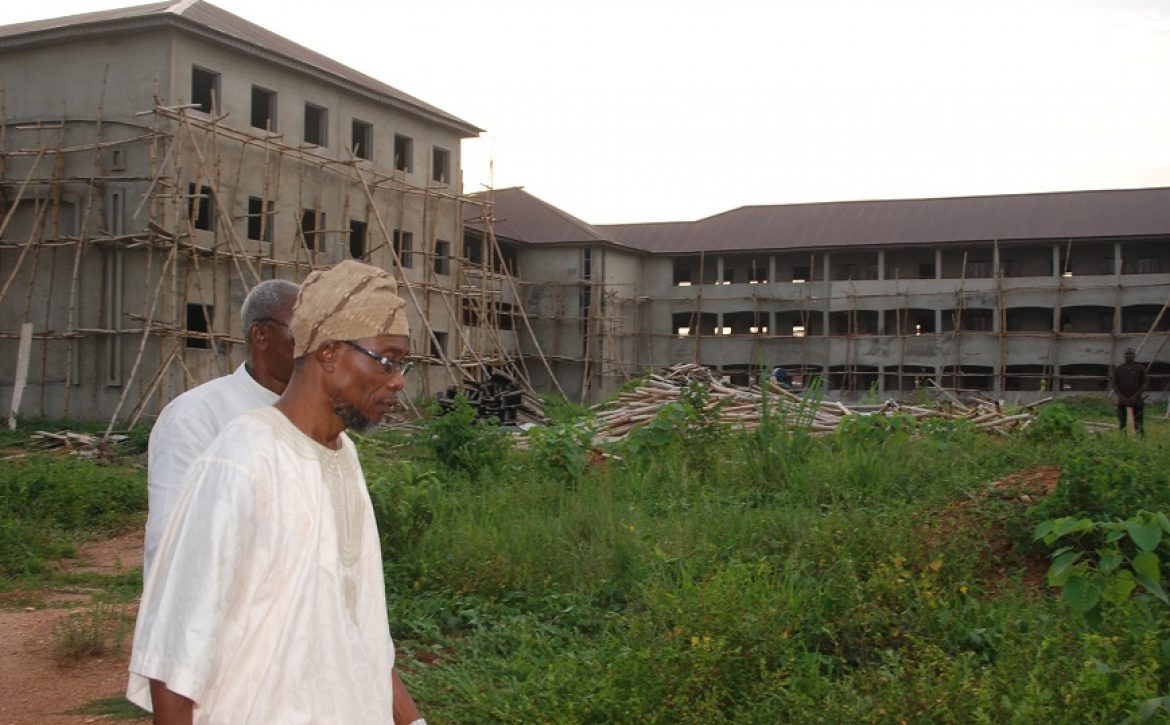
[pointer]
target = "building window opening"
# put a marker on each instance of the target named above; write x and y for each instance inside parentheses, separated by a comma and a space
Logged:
(801, 274)
(357, 239)
(363, 140)
(684, 331)
(313, 229)
(403, 243)
(441, 165)
(263, 108)
(201, 207)
(316, 124)
(204, 89)
(439, 345)
(199, 318)
(442, 256)
(260, 215)
(403, 153)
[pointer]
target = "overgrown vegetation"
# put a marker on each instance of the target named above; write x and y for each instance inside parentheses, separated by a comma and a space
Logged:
(693, 573)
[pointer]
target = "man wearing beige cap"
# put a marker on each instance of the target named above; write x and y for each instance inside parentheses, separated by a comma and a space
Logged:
(268, 603)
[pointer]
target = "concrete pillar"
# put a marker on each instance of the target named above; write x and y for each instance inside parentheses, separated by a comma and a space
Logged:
(771, 268)
(881, 272)
(719, 269)
(938, 263)
(1117, 259)
(938, 317)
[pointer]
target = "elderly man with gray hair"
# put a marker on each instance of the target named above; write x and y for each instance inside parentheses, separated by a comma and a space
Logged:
(267, 603)
(189, 423)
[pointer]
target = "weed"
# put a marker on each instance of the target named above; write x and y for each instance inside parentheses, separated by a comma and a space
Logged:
(93, 633)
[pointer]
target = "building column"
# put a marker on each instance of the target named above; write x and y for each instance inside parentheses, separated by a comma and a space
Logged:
(771, 268)
(1117, 259)
(1057, 269)
(719, 269)
(881, 271)
(938, 318)
(938, 263)
(827, 275)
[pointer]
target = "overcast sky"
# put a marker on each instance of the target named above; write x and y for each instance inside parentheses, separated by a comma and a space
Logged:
(659, 110)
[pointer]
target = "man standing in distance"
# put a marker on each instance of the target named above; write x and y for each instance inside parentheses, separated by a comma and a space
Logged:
(1130, 380)
(189, 423)
(267, 604)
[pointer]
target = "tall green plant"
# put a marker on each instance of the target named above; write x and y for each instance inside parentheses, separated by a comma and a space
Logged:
(463, 443)
(1107, 561)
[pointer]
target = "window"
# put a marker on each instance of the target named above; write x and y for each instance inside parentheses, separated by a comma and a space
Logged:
(263, 108)
(473, 249)
(313, 229)
(199, 321)
(200, 207)
(403, 242)
(260, 219)
(801, 274)
(470, 312)
(316, 122)
(442, 257)
(403, 153)
(357, 239)
(439, 345)
(204, 89)
(441, 165)
(1148, 265)
(363, 140)
(926, 270)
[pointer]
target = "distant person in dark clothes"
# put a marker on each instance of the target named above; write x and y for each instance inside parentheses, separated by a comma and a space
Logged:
(1130, 380)
(782, 377)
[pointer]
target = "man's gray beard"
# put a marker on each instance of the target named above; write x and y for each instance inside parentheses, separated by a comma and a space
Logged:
(352, 418)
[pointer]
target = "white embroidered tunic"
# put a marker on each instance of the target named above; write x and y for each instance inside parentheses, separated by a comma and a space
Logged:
(267, 603)
(184, 429)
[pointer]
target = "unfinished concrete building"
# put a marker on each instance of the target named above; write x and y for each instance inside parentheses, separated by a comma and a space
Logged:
(1009, 296)
(158, 161)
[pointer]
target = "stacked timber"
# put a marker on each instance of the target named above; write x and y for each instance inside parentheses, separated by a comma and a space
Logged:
(499, 395)
(744, 407)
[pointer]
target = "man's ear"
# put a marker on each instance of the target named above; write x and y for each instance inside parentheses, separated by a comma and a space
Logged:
(327, 355)
(258, 335)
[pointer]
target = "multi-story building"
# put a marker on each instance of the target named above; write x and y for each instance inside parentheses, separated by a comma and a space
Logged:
(1012, 295)
(157, 161)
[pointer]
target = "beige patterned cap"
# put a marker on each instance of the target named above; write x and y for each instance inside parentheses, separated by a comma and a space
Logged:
(348, 302)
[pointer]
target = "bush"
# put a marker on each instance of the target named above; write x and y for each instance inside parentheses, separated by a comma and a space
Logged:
(462, 443)
(1055, 423)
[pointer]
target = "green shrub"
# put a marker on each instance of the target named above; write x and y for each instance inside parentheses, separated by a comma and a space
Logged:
(1109, 479)
(1054, 423)
(561, 451)
(462, 443)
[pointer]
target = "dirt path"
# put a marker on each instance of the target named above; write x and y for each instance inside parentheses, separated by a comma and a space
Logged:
(37, 689)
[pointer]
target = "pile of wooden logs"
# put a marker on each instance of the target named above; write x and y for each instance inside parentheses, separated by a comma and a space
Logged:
(743, 407)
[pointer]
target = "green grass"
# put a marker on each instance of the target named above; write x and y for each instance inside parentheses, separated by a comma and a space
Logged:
(711, 576)
(117, 708)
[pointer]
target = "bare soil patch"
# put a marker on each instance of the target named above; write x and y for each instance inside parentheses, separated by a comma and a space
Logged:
(35, 687)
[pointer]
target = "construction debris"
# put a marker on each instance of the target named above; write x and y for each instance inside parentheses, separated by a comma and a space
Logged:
(86, 445)
(744, 407)
(497, 394)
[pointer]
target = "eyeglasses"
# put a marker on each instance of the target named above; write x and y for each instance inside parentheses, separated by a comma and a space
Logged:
(402, 367)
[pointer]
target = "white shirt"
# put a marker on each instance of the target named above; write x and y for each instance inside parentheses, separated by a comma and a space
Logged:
(268, 603)
(184, 429)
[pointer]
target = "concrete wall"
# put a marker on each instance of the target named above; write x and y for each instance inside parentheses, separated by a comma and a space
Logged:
(90, 358)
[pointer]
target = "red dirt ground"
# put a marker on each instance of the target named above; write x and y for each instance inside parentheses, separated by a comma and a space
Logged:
(37, 689)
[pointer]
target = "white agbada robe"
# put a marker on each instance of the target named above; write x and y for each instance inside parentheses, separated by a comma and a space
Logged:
(267, 602)
(184, 429)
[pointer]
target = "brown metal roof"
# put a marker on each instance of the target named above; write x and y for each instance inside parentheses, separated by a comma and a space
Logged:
(219, 25)
(1058, 215)
(522, 217)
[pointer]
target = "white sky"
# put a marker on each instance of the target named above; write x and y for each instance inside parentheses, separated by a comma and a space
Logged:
(660, 110)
